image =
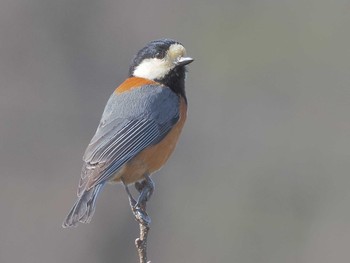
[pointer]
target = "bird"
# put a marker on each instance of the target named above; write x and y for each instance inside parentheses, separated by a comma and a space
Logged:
(139, 127)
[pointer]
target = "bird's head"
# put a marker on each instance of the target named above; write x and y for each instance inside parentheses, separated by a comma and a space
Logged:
(161, 60)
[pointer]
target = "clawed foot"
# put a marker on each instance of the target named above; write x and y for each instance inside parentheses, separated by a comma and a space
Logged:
(145, 188)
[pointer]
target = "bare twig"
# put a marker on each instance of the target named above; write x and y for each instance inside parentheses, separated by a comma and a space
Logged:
(141, 243)
(145, 188)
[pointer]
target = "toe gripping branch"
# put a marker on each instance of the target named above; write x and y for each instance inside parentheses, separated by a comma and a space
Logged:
(145, 189)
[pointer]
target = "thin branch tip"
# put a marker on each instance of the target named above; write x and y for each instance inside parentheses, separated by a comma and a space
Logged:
(145, 188)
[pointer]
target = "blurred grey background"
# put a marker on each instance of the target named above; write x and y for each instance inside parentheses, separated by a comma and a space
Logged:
(261, 173)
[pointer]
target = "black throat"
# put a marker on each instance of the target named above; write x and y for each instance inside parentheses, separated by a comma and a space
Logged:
(175, 80)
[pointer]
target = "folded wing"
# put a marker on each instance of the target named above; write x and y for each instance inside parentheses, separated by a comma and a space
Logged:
(126, 129)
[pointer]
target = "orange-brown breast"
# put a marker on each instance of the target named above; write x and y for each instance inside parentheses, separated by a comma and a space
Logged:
(133, 82)
(153, 157)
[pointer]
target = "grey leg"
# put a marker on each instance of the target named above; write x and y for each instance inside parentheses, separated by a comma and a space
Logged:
(138, 207)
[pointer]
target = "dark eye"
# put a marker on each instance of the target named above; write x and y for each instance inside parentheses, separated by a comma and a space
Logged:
(159, 54)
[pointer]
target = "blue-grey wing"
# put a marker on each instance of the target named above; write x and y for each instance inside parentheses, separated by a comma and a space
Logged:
(131, 121)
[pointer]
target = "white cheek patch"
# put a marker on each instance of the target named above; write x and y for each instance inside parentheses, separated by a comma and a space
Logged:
(153, 68)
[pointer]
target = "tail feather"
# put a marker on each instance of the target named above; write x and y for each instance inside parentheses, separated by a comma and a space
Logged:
(84, 208)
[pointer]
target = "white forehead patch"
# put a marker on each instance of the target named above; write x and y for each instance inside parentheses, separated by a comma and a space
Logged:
(175, 51)
(155, 68)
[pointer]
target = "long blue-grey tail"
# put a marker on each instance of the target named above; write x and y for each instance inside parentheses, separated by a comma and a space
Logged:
(84, 208)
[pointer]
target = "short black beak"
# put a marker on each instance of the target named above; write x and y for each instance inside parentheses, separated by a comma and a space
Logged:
(184, 61)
